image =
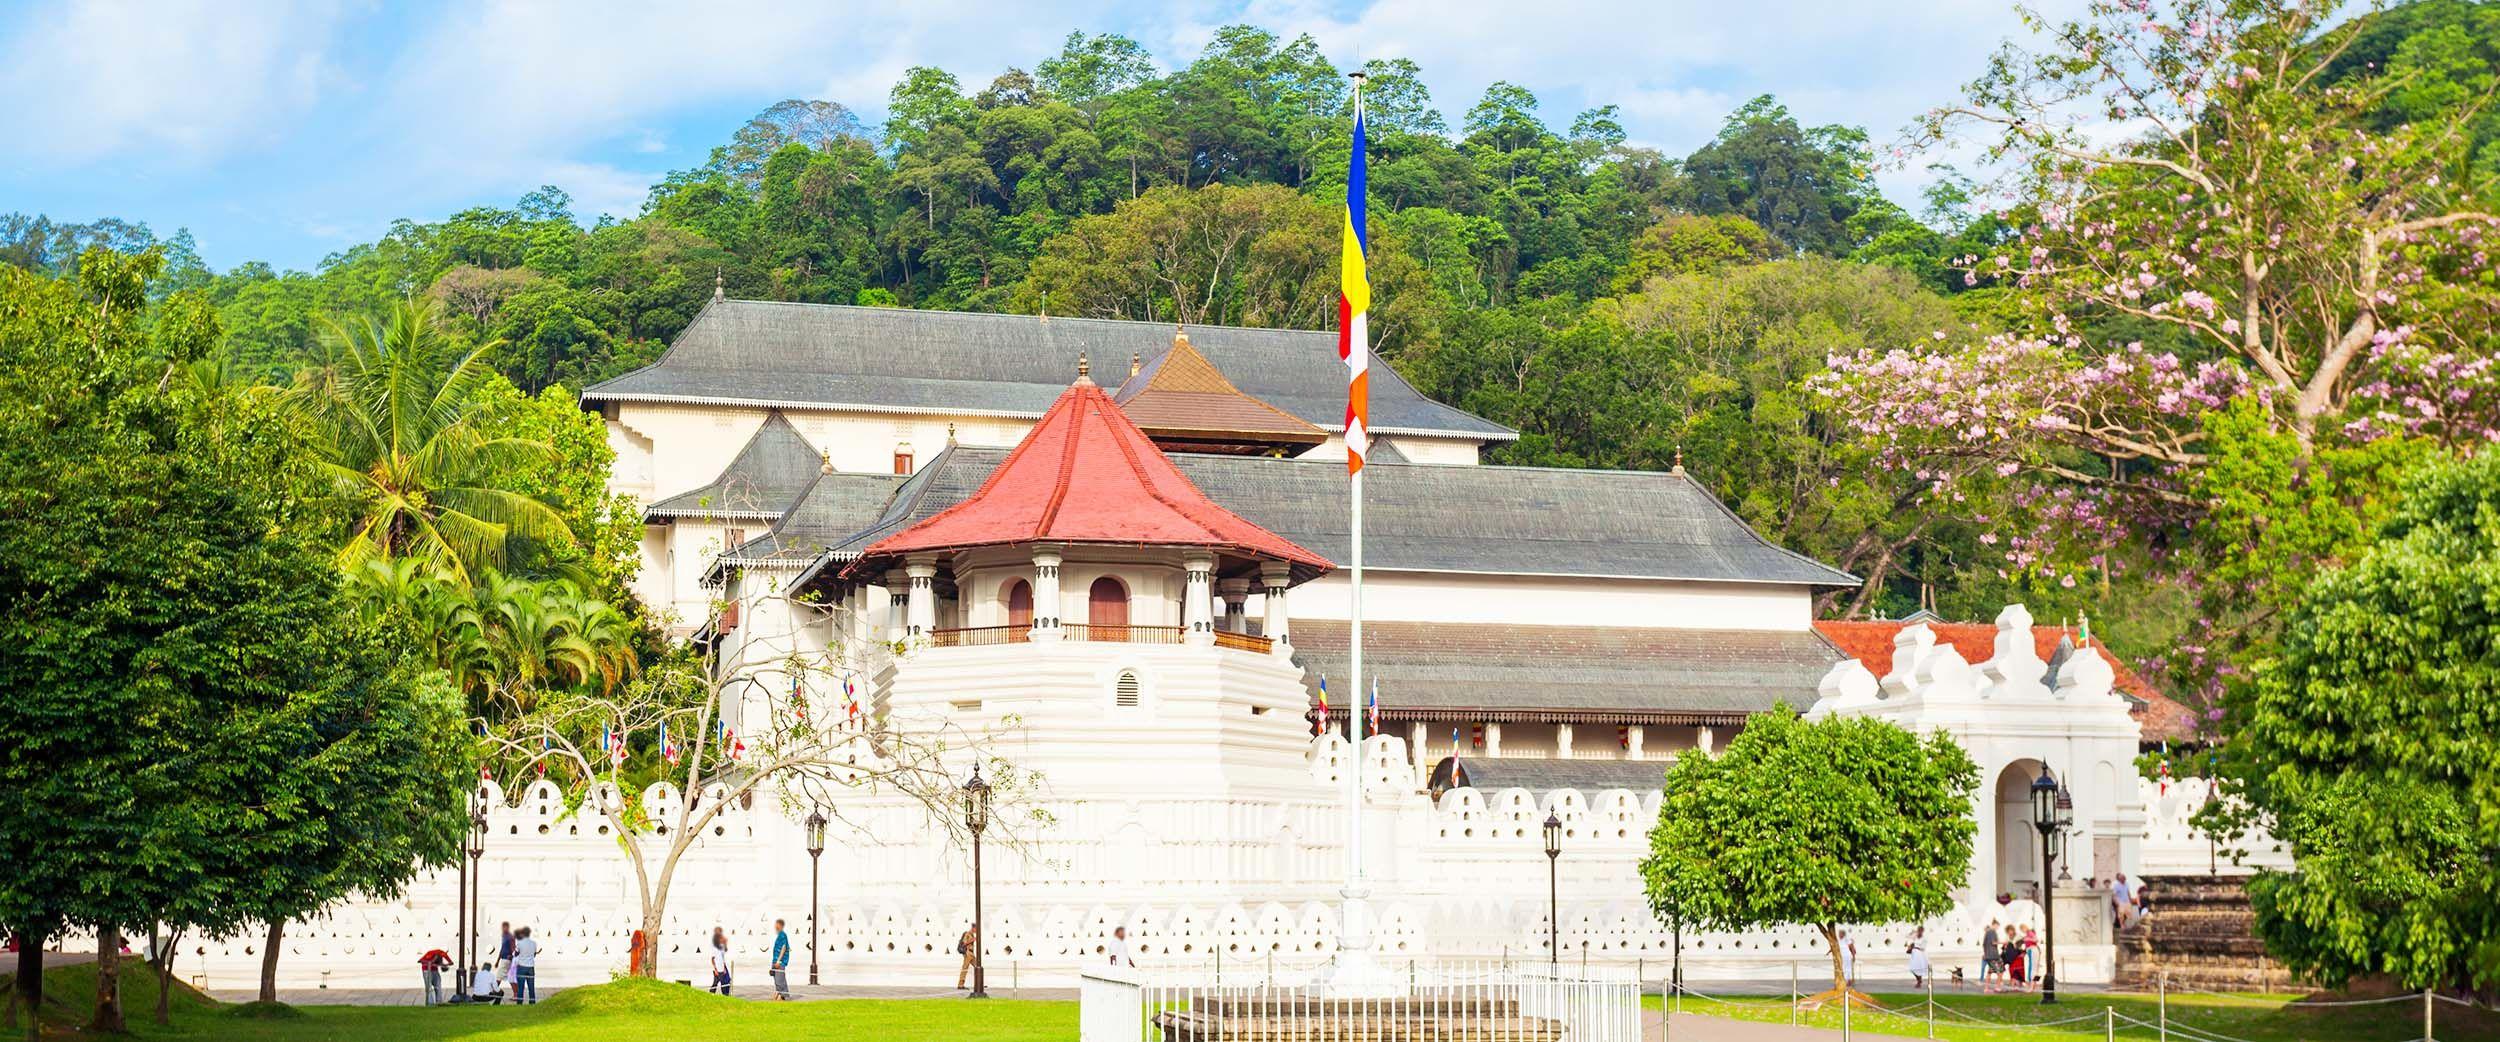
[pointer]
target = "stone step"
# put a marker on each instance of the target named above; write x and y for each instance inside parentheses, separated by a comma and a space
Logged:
(2201, 934)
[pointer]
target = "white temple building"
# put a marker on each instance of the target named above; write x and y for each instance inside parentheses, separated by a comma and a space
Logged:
(1112, 549)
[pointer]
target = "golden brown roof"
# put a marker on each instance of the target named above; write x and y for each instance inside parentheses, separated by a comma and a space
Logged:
(1180, 396)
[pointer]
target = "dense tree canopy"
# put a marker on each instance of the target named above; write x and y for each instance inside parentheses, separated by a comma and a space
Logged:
(192, 702)
(1508, 241)
(2369, 743)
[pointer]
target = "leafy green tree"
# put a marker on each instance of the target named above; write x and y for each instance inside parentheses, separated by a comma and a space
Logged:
(821, 126)
(1825, 822)
(185, 671)
(1089, 70)
(2366, 747)
(1801, 184)
(400, 425)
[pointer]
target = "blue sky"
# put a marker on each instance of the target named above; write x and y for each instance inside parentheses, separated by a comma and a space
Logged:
(282, 130)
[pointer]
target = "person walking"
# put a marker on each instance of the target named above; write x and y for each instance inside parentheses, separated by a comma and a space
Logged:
(1918, 958)
(966, 946)
(524, 968)
(1118, 950)
(719, 952)
(1848, 960)
(2121, 900)
(781, 962)
(432, 964)
(1991, 959)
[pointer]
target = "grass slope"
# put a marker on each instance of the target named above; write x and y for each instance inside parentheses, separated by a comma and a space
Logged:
(622, 1010)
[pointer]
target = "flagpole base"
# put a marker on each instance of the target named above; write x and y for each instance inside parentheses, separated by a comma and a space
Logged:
(1357, 971)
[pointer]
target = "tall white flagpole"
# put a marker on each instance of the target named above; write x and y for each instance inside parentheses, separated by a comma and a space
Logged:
(1356, 971)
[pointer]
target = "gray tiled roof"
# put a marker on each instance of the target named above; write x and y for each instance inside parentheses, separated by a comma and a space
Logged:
(1510, 520)
(1497, 671)
(832, 507)
(1496, 520)
(1490, 774)
(900, 360)
(761, 481)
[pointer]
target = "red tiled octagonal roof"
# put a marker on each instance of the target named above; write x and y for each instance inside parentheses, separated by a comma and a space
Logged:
(1086, 474)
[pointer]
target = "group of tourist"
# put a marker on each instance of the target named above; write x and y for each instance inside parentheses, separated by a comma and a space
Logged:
(717, 952)
(2009, 959)
(511, 975)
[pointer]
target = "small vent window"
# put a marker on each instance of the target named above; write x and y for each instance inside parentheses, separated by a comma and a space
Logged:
(1124, 693)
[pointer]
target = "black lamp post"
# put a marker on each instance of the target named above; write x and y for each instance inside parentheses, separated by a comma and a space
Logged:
(477, 879)
(460, 910)
(977, 818)
(1553, 891)
(815, 866)
(2052, 810)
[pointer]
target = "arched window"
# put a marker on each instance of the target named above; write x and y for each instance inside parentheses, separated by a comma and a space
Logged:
(1124, 691)
(1106, 609)
(902, 457)
(1019, 608)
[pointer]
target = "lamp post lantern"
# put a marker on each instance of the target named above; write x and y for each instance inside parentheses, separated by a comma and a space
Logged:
(977, 818)
(476, 842)
(2052, 810)
(1553, 890)
(815, 872)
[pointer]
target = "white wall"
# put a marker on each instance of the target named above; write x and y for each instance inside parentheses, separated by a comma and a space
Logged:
(1555, 601)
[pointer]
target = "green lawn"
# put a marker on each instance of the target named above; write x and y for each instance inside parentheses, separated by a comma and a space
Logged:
(633, 1010)
(2194, 1018)
(650, 1010)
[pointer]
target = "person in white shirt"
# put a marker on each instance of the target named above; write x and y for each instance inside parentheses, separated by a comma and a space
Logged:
(1119, 948)
(2122, 899)
(720, 961)
(482, 987)
(524, 968)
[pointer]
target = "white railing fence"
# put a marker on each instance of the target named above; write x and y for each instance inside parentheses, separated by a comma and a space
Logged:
(1459, 1002)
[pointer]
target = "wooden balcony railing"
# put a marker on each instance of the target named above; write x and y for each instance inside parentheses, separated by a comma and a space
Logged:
(1093, 634)
(977, 636)
(983, 636)
(1243, 642)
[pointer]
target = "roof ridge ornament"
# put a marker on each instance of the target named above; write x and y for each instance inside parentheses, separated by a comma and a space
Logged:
(950, 432)
(1136, 361)
(825, 456)
(1084, 369)
(1679, 460)
(720, 286)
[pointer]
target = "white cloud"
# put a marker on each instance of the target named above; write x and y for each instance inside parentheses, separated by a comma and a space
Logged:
(598, 188)
(97, 78)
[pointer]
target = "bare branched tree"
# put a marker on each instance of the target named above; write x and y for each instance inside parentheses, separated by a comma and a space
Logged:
(827, 753)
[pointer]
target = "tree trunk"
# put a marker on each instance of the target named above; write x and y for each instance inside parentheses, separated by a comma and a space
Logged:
(1840, 980)
(165, 976)
(269, 962)
(29, 996)
(651, 916)
(108, 983)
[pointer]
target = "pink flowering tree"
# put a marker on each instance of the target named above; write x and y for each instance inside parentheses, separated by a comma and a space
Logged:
(2212, 215)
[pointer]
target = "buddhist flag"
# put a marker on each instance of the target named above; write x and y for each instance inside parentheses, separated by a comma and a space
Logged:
(1375, 706)
(1354, 303)
(1323, 701)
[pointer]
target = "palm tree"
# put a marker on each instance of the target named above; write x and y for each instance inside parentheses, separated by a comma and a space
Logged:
(503, 640)
(400, 423)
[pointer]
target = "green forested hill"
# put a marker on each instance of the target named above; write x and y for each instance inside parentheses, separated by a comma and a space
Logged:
(1621, 307)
